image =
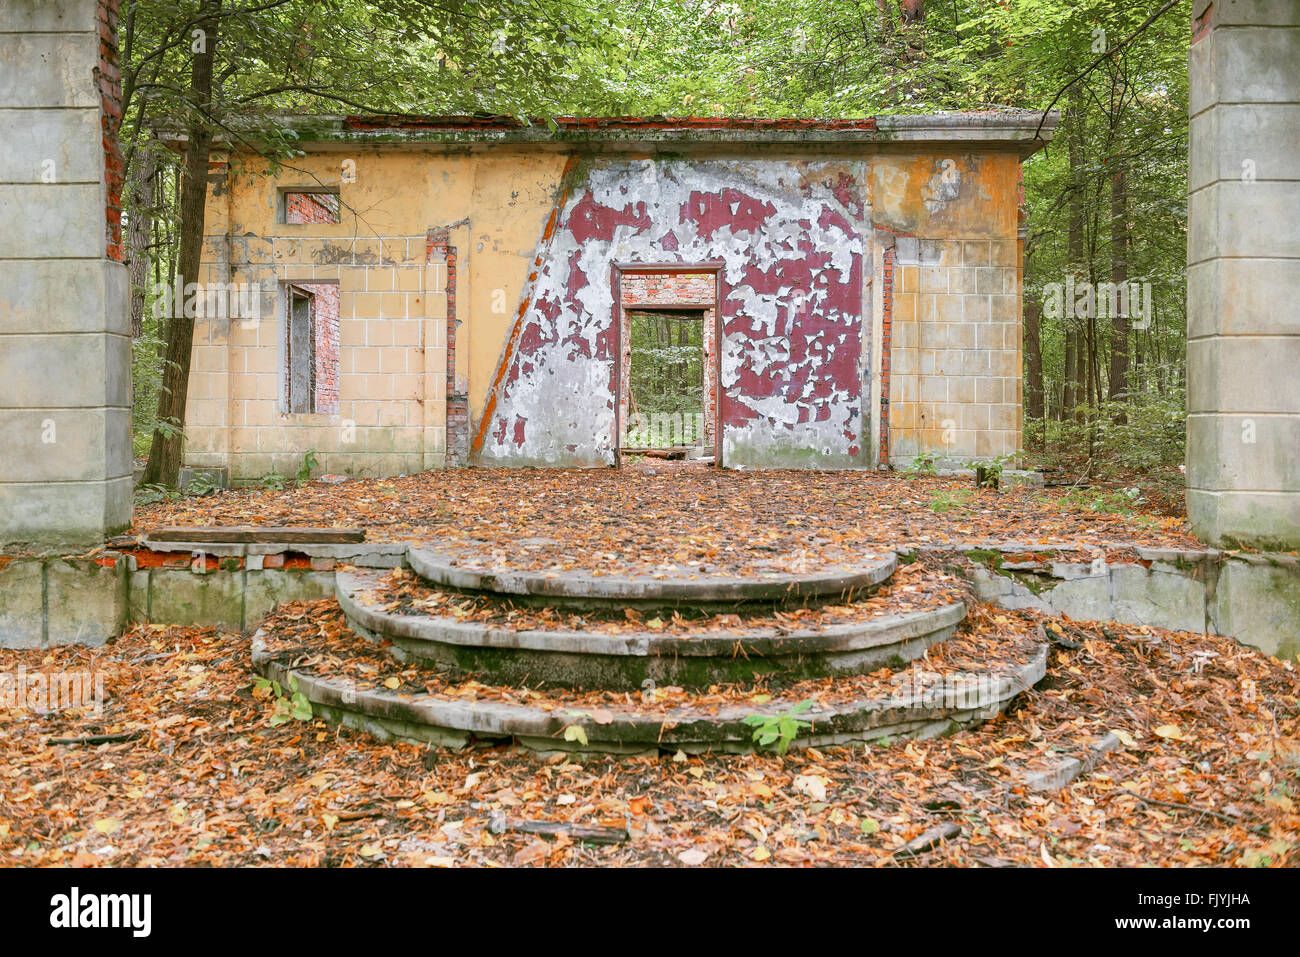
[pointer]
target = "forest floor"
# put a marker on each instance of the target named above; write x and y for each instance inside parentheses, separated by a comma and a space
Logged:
(1208, 773)
(691, 513)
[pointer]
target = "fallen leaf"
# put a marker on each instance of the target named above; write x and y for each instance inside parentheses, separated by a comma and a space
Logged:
(535, 851)
(813, 785)
(1125, 738)
(693, 857)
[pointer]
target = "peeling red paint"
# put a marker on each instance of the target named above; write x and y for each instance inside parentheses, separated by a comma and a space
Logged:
(807, 271)
(731, 209)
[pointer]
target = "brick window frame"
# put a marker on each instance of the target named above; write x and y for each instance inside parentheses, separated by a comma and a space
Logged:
(297, 201)
(322, 372)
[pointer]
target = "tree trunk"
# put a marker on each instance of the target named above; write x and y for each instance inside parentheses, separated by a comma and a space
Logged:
(902, 24)
(1033, 355)
(139, 234)
(165, 452)
(683, 366)
(1119, 324)
(1074, 345)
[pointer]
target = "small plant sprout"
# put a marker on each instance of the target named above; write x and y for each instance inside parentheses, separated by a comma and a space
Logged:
(309, 464)
(286, 707)
(779, 729)
(924, 464)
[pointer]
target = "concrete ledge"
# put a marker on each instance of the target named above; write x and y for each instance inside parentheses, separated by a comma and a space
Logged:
(62, 601)
(58, 601)
(424, 718)
(442, 569)
(1252, 597)
(1054, 775)
(363, 555)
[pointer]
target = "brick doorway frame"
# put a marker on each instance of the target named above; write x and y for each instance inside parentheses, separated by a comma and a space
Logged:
(713, 363)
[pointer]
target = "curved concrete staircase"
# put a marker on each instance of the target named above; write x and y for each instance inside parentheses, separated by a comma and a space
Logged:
(674, 660)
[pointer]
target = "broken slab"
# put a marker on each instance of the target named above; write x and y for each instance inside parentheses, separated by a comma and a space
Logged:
(1052, 775)
(246, 534)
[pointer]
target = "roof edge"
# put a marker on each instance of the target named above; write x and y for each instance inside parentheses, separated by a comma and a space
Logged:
(1022, 130)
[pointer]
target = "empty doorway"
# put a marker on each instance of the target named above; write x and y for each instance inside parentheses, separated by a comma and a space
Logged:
(668, 371)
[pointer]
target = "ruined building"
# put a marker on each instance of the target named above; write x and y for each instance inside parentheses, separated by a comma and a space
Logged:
(459, 290)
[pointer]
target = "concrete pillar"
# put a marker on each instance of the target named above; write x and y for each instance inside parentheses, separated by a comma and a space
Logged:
(1243, 286)
(65, 347)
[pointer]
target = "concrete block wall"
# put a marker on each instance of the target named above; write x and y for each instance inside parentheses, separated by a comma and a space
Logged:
(955, 330)
(392, 361)
(1243, 255)
(65, 471)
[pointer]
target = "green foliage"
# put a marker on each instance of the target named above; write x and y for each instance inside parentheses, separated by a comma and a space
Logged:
(272, 480)
(1122, 502)
(1144, 435)
(942, 500)
(666, 378)
(309, 462)
(146, 377)
(992, 469)
(202, 485)
(293, 706)
(924, 464)
(779, 729)
(151, 494)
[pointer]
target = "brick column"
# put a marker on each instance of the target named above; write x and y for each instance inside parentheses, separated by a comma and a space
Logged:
(456, 434)
(1243, 283)
(65, 347)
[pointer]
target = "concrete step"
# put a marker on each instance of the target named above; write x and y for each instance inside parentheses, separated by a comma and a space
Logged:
(617, 651)
(464, 567)
(351, 682)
